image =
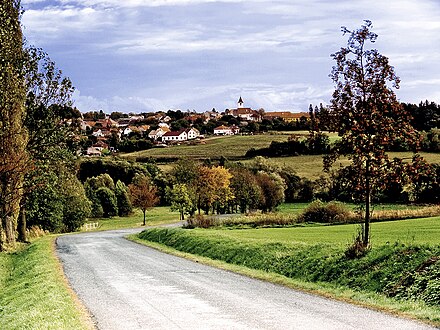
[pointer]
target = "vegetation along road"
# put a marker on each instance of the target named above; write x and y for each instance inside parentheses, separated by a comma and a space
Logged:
(129, 286)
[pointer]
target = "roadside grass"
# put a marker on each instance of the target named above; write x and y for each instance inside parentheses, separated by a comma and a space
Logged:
(34, 293)
(159, 215)
(316, 254)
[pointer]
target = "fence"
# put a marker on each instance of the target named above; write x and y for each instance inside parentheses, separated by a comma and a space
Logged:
(90, 226)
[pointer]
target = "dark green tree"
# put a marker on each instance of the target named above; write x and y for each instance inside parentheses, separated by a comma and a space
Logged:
(123, 198)
(107, 199)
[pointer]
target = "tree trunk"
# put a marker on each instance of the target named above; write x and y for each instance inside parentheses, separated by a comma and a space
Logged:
(22, 225)
(144, 211)
(2, 234)
(366, 233)
(10, 230)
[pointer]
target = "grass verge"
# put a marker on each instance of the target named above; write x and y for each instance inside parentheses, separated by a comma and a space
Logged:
(34, 293)
(322, 268)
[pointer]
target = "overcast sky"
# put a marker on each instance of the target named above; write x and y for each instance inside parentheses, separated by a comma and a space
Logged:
(150, 55)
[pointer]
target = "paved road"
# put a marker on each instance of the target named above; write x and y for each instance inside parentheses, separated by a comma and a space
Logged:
(129, 286)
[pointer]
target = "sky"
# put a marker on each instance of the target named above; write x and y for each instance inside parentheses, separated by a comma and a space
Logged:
(152, 55)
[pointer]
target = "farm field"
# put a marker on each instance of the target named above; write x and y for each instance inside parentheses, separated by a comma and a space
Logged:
(311, 166)
(413, 231)
(227, 146)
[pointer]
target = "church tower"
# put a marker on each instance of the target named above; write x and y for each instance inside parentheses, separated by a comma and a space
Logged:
(240, 102)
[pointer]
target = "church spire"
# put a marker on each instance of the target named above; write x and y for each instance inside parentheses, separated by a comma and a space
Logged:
(240, 102)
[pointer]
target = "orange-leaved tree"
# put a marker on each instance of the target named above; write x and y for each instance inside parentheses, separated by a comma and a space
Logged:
(143, 194)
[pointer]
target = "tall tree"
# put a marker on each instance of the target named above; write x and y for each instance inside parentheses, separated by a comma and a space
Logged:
(367, 115)
(48, 100)
(13, 136)
(143, 194)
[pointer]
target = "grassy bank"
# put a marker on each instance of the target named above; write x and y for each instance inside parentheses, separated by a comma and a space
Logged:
(408, 274)
(33, 292)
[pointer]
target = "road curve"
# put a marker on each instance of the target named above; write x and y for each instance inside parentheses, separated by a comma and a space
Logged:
(129, 286)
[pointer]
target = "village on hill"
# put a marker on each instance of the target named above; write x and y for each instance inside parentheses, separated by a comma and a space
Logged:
(100, 133)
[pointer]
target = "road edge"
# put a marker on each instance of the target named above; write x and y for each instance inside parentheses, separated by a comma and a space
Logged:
(85, 315)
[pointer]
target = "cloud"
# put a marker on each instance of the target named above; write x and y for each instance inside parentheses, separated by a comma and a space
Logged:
(198, 54)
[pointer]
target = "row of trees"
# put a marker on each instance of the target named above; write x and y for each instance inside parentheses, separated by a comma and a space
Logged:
(36, 162)
(196, 187)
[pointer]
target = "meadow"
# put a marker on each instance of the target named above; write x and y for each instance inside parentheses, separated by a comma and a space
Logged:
(412, 231)
(157, 216)
(231, 147)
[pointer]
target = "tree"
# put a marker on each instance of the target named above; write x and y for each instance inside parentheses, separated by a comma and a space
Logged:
(212, 187)
(246, 190)
(143, 194)
(13, 136)
(123, 199)
(367, 115)
(48, 102)
(107, 199)
(180, 198)
(104, 202)
(272, 187)
(76, 206)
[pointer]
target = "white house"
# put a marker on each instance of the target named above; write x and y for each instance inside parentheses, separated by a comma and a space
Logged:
(93, 152)
(192, 133)
(176, 136)
(156, 134)
(223, 130)
(98, 133)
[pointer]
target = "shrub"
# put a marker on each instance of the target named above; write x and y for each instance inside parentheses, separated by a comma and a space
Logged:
(201, 221)
(332, 212)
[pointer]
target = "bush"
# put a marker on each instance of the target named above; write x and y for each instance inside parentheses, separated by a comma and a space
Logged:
(332, 212)
(201, 221)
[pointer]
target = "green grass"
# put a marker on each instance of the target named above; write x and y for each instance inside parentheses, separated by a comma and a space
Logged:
(297, 208)
(311, 166)
(33, 291)
(413, 231)
(228, 146)
(156, 216)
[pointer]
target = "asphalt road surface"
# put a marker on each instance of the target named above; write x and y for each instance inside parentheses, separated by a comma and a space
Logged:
(129, 286)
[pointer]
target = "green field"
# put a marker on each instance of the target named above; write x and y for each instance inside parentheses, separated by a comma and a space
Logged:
(160, 215)
(227, 146)
(413, 231)
(311, 166)
(235, 148)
